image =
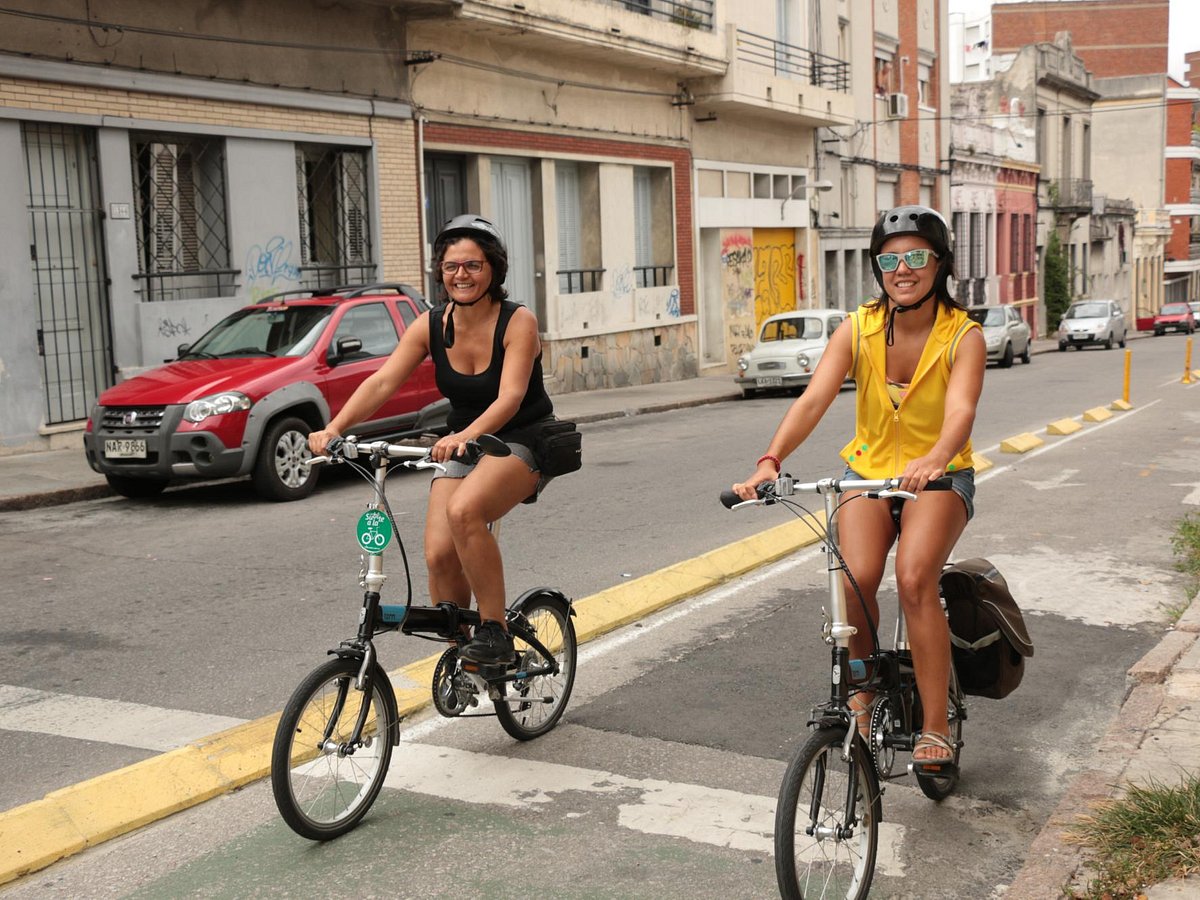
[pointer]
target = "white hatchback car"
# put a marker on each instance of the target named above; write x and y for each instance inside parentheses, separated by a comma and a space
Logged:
(789, 347)
(1005, 333)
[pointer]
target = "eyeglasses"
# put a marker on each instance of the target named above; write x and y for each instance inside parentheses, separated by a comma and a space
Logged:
(474, 266)
(914, 259)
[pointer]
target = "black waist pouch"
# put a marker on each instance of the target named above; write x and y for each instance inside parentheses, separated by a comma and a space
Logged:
(559, 449)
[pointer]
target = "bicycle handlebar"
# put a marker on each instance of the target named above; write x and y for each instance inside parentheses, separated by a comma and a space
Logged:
(785, 486)
(341, 449)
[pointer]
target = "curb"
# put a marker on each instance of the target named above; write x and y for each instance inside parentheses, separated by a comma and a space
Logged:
(83, 815)
(1054, 859)
(61, 496)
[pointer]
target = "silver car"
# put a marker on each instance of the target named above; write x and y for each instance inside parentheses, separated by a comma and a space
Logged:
(1005, 332)
(1092, 322)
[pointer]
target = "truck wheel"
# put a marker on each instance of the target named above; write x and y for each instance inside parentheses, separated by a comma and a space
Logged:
(279, 472)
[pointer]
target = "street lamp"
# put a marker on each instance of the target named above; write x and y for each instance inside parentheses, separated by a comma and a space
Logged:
(801, 188)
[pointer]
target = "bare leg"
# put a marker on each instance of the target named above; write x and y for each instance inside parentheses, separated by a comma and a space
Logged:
(493, 487)
(447, 581)
(930, 528)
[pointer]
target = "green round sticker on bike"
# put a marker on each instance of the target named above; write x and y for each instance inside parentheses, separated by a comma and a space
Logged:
(374, 530)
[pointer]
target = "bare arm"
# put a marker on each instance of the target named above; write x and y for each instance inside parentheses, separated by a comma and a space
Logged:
(375, 390)
(962, 398)
(804, 414)
(521, 347)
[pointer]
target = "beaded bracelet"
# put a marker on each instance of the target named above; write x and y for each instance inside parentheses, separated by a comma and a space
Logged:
(774, 459)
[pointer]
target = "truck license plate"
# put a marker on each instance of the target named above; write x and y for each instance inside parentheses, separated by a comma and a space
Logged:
(125, 449)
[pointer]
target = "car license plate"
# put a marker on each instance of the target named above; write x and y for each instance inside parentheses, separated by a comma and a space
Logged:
(769, 381)
(125, 449)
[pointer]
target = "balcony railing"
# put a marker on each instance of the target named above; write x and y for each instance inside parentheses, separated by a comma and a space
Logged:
(797, 63)
(579, 281)
(652, 276)
(1193, 249)
(1070, 194)
(689, 13)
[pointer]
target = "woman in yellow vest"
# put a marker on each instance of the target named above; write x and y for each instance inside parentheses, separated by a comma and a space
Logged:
(918, 362)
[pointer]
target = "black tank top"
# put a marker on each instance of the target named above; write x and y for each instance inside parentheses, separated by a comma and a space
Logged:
(470, 395)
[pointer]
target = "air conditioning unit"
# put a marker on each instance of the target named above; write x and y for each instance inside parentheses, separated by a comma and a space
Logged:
(897, 106)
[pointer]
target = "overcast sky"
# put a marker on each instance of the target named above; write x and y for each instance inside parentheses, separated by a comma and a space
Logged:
(1184, 27)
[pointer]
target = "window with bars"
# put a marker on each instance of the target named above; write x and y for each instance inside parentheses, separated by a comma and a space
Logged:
(653, 227)
(577, 199)
(1029, 244)
(335, 216)
(1014, 243)
(182, 229)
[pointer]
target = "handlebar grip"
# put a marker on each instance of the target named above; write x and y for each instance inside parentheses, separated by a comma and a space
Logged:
(490, 445)
(940, 484)
(729, 499)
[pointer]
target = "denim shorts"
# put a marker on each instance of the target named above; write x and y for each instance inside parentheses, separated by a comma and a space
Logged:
(962, 483)
(456, 468)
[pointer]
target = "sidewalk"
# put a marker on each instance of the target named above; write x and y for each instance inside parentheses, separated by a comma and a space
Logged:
(30, 480)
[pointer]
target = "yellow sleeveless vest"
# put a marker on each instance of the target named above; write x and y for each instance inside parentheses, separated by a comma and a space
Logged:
(888, 438)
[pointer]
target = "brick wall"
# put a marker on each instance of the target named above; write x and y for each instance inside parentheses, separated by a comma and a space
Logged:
(1113, 37)
(482, 139)
(399, 242)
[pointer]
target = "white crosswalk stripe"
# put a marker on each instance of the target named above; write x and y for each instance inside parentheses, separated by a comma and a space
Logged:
(107, 721)
(722, 818)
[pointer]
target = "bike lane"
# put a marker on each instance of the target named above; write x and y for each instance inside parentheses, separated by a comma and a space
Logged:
(661, 779)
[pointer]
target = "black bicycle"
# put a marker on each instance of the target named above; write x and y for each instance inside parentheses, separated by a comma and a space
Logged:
(334, 741)
(830, 803)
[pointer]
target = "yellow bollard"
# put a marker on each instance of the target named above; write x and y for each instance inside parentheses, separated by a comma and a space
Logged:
(1187, 364)
(1123, 403)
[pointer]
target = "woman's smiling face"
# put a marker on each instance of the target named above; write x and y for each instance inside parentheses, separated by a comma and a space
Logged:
(463, 286)
(907, 286)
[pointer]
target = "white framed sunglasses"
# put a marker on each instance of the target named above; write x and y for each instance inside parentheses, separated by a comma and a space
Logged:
(914, 259)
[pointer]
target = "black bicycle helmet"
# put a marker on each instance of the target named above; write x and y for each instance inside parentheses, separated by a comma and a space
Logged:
(928, 224)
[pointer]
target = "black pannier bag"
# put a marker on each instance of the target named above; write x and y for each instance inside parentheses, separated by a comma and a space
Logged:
(989, 641)
(559, 448)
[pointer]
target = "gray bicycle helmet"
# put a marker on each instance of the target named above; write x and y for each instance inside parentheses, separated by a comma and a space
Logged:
(469, 225)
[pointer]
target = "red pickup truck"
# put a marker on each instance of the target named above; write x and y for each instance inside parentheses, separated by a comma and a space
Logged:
(242, 399)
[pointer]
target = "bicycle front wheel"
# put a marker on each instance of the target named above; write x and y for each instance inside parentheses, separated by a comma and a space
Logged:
(533, 705)
(323, 785)
(827, 821)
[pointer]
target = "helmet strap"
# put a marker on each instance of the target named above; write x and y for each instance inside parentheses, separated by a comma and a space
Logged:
(448, 334)
(897, 308)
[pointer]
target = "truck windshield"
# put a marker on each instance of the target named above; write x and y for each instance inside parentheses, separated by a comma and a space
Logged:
(265, 331)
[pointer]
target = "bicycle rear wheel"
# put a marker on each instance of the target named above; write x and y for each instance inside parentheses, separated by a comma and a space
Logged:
(532, 706)
(323, 787)
(827, 821)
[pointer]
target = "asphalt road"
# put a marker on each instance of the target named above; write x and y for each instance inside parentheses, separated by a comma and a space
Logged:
(211, 603)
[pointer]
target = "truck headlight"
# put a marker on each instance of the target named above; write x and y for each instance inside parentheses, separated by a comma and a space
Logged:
(216, 405)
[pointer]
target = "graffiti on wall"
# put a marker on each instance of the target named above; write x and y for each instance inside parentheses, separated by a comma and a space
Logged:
(774, 272)
(737, 290)
(266, 264)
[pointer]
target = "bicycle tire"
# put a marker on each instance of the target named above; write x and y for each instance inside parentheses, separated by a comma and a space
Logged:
(321, 791)
(532, 706)
(838, 859)
(939, 787)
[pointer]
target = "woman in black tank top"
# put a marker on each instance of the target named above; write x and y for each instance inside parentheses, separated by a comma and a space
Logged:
(488, 363)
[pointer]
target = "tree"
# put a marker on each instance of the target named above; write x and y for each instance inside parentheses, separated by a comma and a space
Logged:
(1057, 281)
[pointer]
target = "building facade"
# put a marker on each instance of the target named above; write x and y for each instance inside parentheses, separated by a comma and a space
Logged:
(1182, 187)
(154, 180)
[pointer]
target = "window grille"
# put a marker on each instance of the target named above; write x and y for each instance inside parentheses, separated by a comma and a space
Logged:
(182, 232)
(334, 205)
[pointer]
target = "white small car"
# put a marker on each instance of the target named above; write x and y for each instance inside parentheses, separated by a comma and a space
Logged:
(1092, 322)
(789, 347)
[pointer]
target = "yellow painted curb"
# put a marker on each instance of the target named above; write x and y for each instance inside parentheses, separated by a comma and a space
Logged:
(69, 820)
(980, 463)
(1120, 405)
(1096, 414)
(1020, 443)
(1063, 426)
